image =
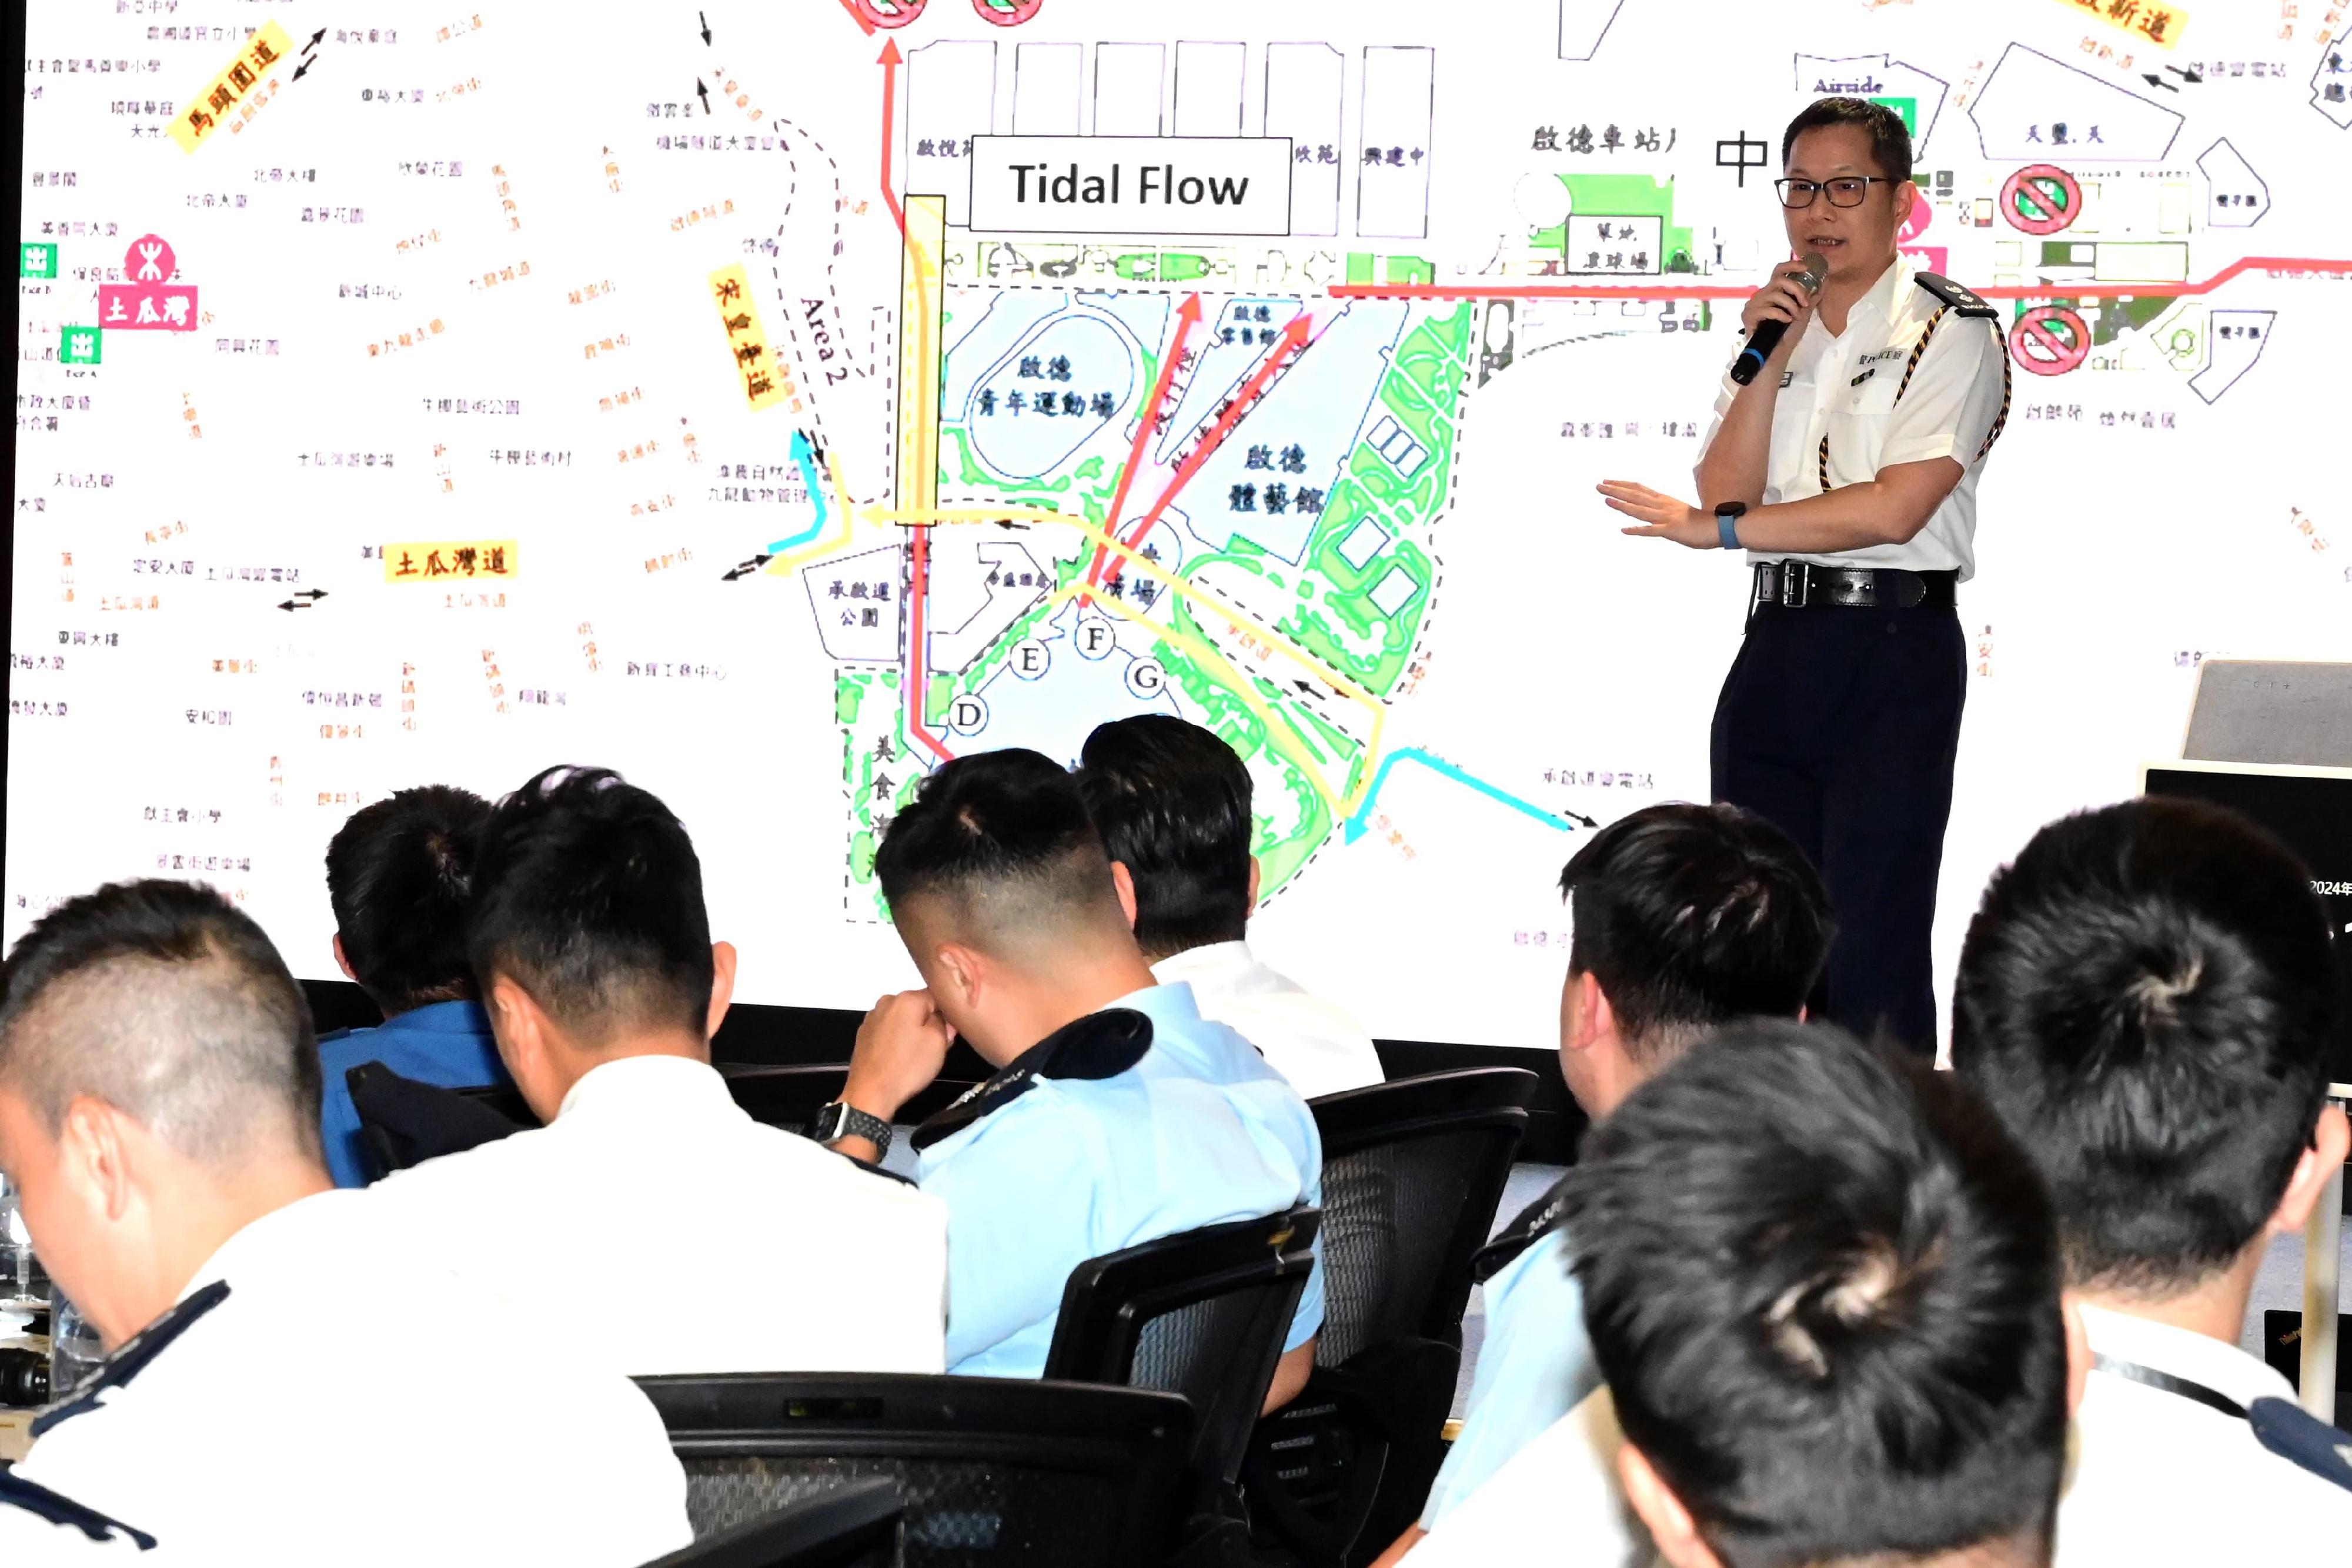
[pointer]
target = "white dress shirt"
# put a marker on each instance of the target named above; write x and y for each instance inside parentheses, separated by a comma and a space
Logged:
(2159, 1480)
(657, 1221)
(2153, 1480)
(1843, 386)
(344, 1403)
(1312, 1043)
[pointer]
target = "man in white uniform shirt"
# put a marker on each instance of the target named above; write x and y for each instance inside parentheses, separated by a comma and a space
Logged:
(1824, 1288)
(1847, 468)
(1173, 804)
(2145, 997)
(652, 1218)
(284, 1386)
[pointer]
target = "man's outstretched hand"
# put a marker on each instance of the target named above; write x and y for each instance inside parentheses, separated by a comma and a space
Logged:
(1662, 516)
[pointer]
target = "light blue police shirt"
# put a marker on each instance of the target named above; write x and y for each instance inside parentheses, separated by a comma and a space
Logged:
(1197, 1132)
(447, 1043)
(1534, 1368)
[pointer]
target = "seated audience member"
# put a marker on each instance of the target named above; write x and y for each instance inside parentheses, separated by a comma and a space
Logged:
(1117, 1115)
(398, 875)
(2144, 997)
(1686, 918)
(1824, 1287)
(652, 1215)
(284, 1384)
(1173, 804)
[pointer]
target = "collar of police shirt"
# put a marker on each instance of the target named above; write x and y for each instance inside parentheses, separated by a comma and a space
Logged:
(631, 1085)
(2224, 1370)
(1315, 1043)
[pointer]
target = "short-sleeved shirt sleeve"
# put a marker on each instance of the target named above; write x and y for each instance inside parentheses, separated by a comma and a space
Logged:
(1534, 1366)
(1955, 396)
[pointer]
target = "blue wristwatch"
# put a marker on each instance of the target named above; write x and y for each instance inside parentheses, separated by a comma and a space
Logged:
(1726, 521)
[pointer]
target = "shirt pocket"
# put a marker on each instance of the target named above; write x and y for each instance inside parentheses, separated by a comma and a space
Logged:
(1854, 427)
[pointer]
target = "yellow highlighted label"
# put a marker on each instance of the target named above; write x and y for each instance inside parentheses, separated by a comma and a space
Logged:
(2157, 24)
(243, 86)
(449, 561)
(765, 383)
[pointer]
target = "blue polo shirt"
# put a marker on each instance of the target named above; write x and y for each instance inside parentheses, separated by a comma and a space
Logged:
(447, 1043)
(1534, 1366)
(1066, 1161)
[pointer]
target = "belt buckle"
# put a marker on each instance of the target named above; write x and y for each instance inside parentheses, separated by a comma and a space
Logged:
(1796, 584)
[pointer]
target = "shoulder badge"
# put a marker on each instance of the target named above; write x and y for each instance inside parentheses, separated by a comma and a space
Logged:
(39, 1501)
(132, 1356)
(1535, 1222)
(1098, 1046)
(1960, 298)
(2294, 1434)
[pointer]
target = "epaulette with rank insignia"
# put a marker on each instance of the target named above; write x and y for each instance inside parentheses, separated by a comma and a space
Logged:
(2295, 1434)
(1959, 296)
(132, 1356)
(1538, 1220)
(1098, 1046)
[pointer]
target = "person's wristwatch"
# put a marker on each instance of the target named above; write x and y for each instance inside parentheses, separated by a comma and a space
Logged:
(840, 1120)
(1726, 521)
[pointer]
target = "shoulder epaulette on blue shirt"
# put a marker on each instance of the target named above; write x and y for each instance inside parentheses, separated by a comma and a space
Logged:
(2295, 1434)
(38, 1500)
(1098, 1046)
(1538, 1220)
(132, 1356)
(1959, 296)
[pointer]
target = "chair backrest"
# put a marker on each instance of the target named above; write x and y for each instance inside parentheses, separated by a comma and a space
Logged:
(855, 1526)
(987, 1469)
(1202, 1314)
(1411, 1172)
(405, 1122)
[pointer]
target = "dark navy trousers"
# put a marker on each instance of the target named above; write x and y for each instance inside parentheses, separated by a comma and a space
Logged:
(1841, 726)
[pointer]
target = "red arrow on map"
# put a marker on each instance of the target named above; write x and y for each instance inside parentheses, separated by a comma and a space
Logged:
(889, 61)
(1187, 317)
(1294, 337)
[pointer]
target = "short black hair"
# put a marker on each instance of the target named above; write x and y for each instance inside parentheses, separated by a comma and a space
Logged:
(1890, 139)
(1004, 839)
(587, 893)
(1690, 916)
(1173, 804)
(164, 1001)
(1822, 1285)
(2145, 996)
(399, 875)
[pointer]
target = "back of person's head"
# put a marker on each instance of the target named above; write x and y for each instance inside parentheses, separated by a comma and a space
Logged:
(2145, 997)
(1822, 1284)
(399, 875)
(588, 895)
(164, 1001)
(1173, 804)
(1689, 916)
(996, 852)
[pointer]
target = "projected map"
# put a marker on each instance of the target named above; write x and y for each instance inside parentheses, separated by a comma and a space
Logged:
(771, 401)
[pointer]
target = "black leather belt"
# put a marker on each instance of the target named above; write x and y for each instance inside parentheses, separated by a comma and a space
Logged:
(1801, 585)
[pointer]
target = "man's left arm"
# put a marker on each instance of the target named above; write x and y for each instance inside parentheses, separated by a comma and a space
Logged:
(1940, 427)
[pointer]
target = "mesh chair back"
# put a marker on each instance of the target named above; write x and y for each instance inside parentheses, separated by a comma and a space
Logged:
(989, 1470)
(1412, 1172)
(854, 1527)
(1203, 1314)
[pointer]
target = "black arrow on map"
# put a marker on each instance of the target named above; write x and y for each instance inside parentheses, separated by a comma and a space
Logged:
(303, 69)
(705, 92)
(305, 599)
(2155, 80)
(748, 567)
(1578, 817)
(314, 40)
(2190, 75)
(706, 26)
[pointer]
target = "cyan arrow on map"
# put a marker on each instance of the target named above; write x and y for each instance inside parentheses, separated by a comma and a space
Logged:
(1359, 824)
(806, 455)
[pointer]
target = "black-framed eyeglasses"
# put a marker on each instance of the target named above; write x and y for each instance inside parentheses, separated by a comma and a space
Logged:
(1843, 192)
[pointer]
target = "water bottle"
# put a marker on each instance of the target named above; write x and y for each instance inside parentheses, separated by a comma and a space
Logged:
(76, 1351)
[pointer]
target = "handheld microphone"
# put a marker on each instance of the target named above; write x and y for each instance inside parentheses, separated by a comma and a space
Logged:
(1768, 334)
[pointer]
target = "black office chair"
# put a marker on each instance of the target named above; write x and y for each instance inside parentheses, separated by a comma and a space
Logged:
(1412, 1171)
(405, 1122)
(1202, 1314)
(989, 1470)
(855, 1526)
